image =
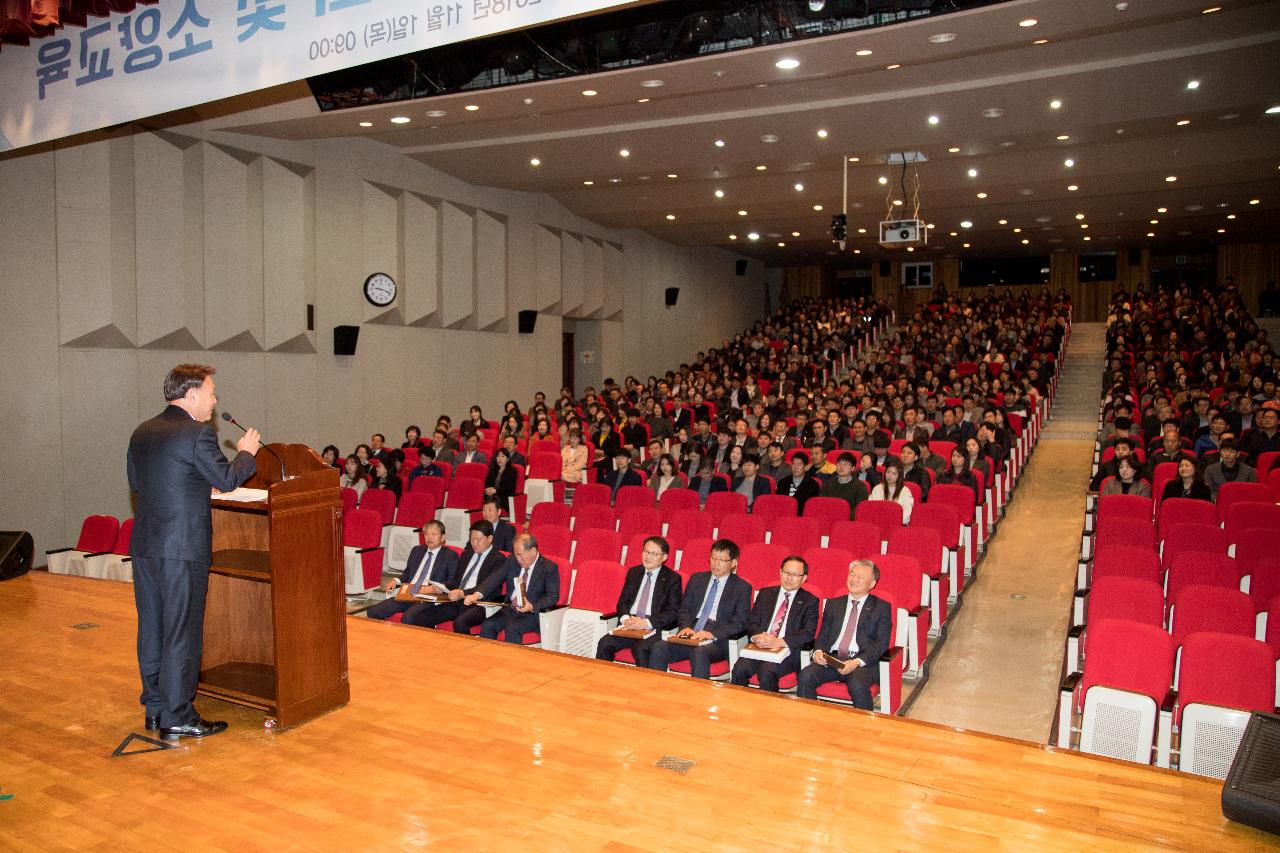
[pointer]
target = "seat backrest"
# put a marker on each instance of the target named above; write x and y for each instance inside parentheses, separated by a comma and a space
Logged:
(919, 542)
(596, 544)
(695, 556)
(827, 511)
(1250, 515)
(1253, 546)
(900, 577)
(592, 515)
(676, 499)
(740, 528)
(122, 538)
(1264, 584)
(432, 487)
(1184, 511)
(795, 533)
(829, 569)
(545, 465)
(759, 563)
(446, 473)
(720, 504)
(597, 585)
(549, 512)
(688, 524)
(886, 515)
(465, 494)
(1126, 531)
(1120, 597)
(415, 509)
(642, 520)
(634, 496)
(470, 470)
(1192, 538)
(1128, 656)
(1234, 493)
(362, 528)
(939, 518)
(1127, 561)
(381, 501)
(552, 538)
(860, 538)
(772, 507)
(1228, 670)
(98, 534)
(591, 494)
(1197, 567)
(351, 499)
(1211, 608)
(1272, 636)
(1266, 463)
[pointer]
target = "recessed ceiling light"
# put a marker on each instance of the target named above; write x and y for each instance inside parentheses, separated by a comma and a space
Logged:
(719, 143)
(882, 180)
(1002, 222)
(992, 112)
(973, 173)
(1273, 110)
(615, 180)
(1193, 84)
(1055, 104)
(624, 153)
(651, 84)
(1026, 191)
(588, 183)
(853, 159)
(1155, 222)
(1017, 231)
(672, 175)
(1171, 178)
(1041, 41)
(1072, 188)
(942, 38)
(769, 138)
(966, 224)
(1210, 10)
(1255, 201)
(799, 188)
(437, 113)
(1152, 233)
(753, 236)
(1084, 224)
(762, 167)
(1222, 231)
(966, 245)
(366, 124)
(1062, 137)
(795, 233)
(534, 161)
(1025, 241)
(733, 236)
(742, 213)
(934, 119)
(822, 134)
(863, 52)
(1162, 210)
(897, 202)
(982, 195)
(1028, 22)
(780, 245)
(893, 66)
(953, 233)
(589, 93)
(642, 100)
(817, 207)
(1069, 163)
(1079, 216)
(1087, 238)
(1229, 216)
(719, 193)
(400, 119)
(862, 231)
(671, 217)
(953, 150)
(471, 108)
(787, 64)
(1184, 122)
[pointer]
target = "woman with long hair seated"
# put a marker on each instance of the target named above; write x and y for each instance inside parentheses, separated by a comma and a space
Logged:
(1188, 483)
(666, 477)
(894, 488)
(385, 477)
(354, 475)
(573, 459)
(957, 473)
(500, 480)
(1127, 481)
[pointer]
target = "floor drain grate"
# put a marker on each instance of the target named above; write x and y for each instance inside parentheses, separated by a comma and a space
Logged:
(85, 626)
(1017, 596)
(680, 765)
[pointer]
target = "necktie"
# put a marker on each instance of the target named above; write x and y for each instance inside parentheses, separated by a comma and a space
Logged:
(781, 618)
(424, 572)
(469, 579)
(705, 615)
(845, 648)
(642, 609)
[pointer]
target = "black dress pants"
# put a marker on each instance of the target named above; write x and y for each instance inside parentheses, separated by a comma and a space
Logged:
(170, 595)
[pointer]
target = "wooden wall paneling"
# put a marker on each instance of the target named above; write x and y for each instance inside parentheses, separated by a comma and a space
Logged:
(1252, 265)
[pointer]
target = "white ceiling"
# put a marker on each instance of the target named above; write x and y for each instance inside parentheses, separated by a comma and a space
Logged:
(1121, 77)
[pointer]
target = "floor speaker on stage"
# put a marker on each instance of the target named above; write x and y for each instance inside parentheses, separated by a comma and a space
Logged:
(16, 552)
(1251, 794)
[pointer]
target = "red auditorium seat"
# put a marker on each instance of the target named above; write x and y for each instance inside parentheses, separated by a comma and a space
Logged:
(741, 529)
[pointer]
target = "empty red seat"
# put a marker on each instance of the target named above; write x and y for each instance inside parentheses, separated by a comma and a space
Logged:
(773, 507)
(688, 524)
(827, 511)
(741, 529)
(860, 538)
(795, 533)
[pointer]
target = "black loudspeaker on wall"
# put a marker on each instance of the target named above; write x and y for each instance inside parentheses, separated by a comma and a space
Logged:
(673, 293)
(1251, 794)
(344, 339)
(16, 552)
(527, 320)
(1135, 257)
(740, 267)
(885, 269)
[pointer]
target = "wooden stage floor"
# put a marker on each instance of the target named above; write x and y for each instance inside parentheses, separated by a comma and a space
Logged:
(458, 743)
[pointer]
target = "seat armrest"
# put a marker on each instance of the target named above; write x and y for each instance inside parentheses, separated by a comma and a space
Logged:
(604, 616)
(59, 550)
(1070, 682)
(97, 554)
(893, 654)
(1170, 701)
(367, 550)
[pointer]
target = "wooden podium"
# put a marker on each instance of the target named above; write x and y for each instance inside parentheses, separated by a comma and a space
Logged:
(275, 633)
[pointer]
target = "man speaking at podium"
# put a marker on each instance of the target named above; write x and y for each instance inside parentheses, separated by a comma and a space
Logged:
(173, 461)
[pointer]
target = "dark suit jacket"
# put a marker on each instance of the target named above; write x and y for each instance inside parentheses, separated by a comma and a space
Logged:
(542, 588)
(758, 488)
(518, 458)
(717, 484)
(666, 596)
(735, 602)
(444, 569)
(802, 616)
(490, 569)
(504, 484)
(172, 463)
(875, 628)
(630, 477)
(504, 536)
(810, 488)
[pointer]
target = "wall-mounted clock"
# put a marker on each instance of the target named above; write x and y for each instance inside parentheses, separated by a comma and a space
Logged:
(380, 289)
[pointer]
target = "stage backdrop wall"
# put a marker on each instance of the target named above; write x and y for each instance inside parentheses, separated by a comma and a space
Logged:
(127, 254)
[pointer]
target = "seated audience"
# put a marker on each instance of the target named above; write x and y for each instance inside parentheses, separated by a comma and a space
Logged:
(478, 563)
(530, 584)
(1127, 480)
(1228, 469)
(713, 610)
(856, 632)
(844, 484)
(1188, 483)
(783, 617)
(649, 601)
(430, 561)
(893, 487)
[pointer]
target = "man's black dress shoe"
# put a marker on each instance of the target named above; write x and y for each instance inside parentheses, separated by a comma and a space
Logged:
(153, 723)
(199, 728)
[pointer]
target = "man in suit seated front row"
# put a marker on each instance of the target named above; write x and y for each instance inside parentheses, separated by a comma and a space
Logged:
(530, 585)
(857, 629)
(649, 600)
(714, 609)
(430, 561)
(479, 563)
(784, 616)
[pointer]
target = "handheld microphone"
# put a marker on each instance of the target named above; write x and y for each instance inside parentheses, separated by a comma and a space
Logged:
(226, 416)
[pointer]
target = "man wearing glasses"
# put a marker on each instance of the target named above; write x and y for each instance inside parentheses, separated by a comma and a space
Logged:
(714, 609)
(649, 601)
(783, 617)
(856, 632)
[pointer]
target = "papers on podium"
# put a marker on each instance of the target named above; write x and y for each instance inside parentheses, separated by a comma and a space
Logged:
(242, 495)
(754, 652)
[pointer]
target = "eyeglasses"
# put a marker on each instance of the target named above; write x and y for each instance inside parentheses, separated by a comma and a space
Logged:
(793, 574)
(653, 553)
(721, 560)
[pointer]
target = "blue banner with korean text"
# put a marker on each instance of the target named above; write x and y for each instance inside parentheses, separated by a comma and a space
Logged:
(179, 53)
